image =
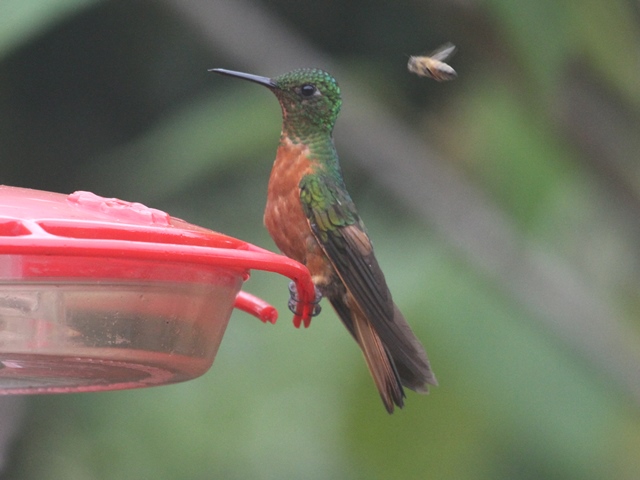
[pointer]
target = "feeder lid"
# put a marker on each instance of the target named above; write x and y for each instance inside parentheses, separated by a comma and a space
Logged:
(86, 215)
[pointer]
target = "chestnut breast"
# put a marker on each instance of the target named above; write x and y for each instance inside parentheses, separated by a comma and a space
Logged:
(284, 218)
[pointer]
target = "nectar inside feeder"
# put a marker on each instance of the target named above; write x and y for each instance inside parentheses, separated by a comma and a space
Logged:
(102, 294)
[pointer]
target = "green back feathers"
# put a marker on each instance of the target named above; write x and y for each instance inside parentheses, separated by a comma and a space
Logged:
(327, 205)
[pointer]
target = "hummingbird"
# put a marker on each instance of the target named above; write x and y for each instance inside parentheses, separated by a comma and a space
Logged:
(312, 219)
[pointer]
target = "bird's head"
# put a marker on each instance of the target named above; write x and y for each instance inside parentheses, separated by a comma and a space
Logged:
(309, 97)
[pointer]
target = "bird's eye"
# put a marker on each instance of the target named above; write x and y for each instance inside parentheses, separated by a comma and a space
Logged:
(308, 89)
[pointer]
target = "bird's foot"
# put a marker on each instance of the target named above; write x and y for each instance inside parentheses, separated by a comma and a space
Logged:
(294, 301)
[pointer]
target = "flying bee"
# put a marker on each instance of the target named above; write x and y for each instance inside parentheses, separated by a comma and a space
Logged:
(433, 65)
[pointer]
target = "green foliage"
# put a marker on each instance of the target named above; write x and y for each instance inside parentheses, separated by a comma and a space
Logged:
(23, 19)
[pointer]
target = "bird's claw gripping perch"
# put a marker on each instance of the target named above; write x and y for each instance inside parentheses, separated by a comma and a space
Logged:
(294, 300)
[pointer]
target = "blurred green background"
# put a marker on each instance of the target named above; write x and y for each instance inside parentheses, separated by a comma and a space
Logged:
(504, 208)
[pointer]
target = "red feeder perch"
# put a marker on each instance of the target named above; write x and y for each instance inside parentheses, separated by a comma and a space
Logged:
(102, 294)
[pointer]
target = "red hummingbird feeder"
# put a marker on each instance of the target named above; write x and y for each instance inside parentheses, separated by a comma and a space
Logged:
(102, 294)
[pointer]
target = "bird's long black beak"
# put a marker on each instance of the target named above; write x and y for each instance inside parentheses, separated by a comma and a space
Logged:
(267, 82)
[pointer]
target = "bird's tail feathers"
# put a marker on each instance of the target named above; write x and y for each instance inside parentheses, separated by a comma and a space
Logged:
(379, 362)
(409, 356)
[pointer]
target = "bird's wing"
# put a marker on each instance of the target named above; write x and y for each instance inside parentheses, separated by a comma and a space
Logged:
(337, 227)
